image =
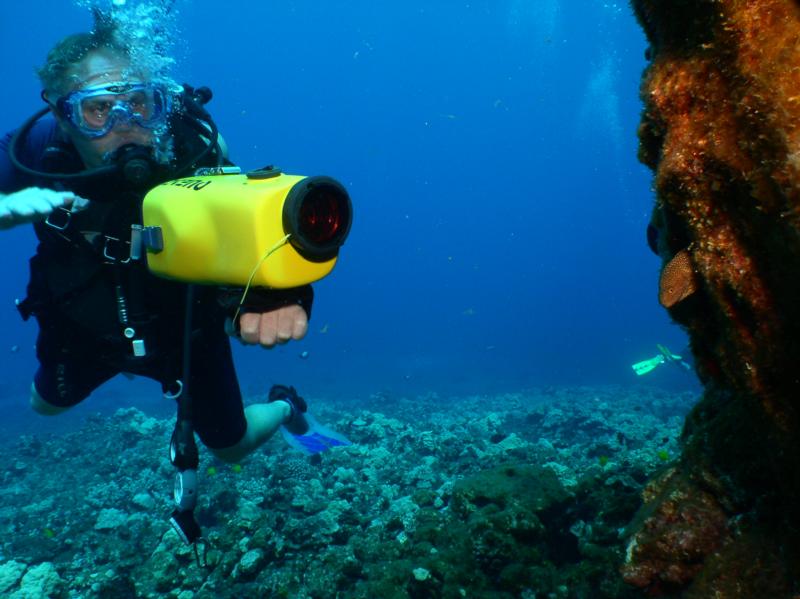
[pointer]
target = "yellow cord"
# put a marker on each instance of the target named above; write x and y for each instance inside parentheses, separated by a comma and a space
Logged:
(269, 252)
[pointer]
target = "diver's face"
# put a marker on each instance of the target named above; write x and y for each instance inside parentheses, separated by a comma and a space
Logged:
(103, 66)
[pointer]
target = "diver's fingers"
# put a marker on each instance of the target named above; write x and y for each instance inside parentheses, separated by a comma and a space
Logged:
(78, 204)
(36, 202)
(30, 204)
(40, 205)
(299, 321)
(64, 199)
(274, 327)
(259, 328)
(249, 326)
(57, 199)
(292, 323)
(269, 333)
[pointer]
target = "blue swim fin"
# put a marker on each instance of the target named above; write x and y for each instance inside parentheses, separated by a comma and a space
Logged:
(316, 440)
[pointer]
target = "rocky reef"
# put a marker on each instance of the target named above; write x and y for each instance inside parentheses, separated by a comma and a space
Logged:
(509, 495)
(721, 131)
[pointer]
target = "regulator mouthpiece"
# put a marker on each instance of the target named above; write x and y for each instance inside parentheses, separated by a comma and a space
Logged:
(135, 163)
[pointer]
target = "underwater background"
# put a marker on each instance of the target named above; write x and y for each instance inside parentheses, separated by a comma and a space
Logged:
(477, 332)
(489, 148)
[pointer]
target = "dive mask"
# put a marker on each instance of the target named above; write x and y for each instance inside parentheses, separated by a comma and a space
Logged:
(95, 110)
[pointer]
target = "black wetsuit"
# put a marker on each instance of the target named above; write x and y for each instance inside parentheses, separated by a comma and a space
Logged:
(74, 290)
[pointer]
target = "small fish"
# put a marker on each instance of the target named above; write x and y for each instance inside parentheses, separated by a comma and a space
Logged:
(324, 329)
(14, 349)
(303, 355)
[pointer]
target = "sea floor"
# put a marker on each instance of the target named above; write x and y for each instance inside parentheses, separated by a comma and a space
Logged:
(514, 495)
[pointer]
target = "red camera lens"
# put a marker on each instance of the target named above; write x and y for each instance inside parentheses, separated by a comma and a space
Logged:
(321, 215)
(318, 214)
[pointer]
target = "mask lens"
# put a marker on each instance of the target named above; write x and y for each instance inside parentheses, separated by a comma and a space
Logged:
(142, 105)
(98, 110)
(95, 111)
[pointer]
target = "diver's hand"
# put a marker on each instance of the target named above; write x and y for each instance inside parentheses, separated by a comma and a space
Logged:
(34, 204)
(276, 326)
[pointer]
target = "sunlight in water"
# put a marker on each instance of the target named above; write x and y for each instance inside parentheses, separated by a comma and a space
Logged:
(599, 114)
(538, 19)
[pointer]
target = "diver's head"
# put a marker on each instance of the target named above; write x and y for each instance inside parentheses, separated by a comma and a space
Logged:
(101, 102)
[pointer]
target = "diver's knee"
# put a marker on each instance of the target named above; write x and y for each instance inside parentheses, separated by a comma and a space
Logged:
(40, 406)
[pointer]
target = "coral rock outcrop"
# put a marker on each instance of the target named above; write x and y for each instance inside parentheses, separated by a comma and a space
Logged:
(721, 131)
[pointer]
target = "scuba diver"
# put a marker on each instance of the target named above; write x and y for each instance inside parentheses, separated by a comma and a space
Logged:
(78, 170)
(664, 356)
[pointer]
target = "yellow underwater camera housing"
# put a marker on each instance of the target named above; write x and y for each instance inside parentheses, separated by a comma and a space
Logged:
(262, 228)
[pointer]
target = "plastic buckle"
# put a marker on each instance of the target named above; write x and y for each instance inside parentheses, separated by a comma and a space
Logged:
(145, 239)
(136, 242)
(153, 239)
(58, 226)
(108, 246)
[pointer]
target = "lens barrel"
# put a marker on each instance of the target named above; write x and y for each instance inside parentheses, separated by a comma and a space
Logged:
(318, 214)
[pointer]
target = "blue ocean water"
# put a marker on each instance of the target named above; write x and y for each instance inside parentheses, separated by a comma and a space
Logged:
(490, 150)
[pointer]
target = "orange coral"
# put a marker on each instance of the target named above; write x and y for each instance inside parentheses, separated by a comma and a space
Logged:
(721, 130)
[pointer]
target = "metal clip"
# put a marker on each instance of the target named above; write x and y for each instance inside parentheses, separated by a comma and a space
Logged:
(174, 394)
(106, 253)
(66, 214)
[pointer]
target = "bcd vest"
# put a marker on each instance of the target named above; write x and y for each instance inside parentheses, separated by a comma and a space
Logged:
(82, 277)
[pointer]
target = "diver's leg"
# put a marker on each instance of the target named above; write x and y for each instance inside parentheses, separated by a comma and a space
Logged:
(68, 371)
(40, 406)
(231, 431)
(285, 409)
(228, 429)
(263, 421)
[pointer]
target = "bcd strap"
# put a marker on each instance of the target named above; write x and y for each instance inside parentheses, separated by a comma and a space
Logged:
(111, 249)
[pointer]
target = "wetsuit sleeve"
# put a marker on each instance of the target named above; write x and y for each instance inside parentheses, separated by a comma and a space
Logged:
(30, 153)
